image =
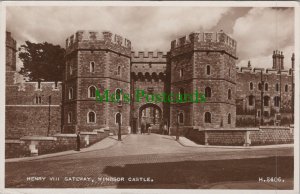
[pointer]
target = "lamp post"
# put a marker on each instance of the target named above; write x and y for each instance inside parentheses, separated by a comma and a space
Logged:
(177, 128)
(49, 115)
(120, 105)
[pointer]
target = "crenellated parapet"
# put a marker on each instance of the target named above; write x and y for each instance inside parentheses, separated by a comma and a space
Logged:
(267, 71)
(93, 40)
(205, 41)
(148, 57)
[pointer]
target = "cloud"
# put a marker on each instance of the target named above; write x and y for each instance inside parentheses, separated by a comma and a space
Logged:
(149, 28)
(263, 30)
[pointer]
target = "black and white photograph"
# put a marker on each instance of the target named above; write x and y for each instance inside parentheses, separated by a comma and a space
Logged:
(150, 95)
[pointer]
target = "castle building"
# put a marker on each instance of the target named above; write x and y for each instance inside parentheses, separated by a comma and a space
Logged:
(201, 61)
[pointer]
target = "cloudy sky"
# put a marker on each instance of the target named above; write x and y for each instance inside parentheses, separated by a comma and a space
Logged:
(258, 31)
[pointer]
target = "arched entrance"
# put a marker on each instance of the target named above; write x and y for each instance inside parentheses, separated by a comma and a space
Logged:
(151, 114)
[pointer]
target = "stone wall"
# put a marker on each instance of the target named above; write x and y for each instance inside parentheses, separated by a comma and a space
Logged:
(272, 135)
(39, 145)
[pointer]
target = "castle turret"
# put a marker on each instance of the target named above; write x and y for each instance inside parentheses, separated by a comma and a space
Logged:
(293, 61)
(11, 49)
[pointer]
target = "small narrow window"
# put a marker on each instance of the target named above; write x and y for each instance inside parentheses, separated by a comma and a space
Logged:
(71, 70)
(92, 92)
(259, 86)
(119, 70)
(266, 101)
(229, 72)
(266, 87)
(229, 118)
(208, 92)
(229, 94)
(91, 117)
(277, 87)
(251, 86)
(39, 85)
(208, 70)
(251, 100)
(118, 94)
(92, 67)
(40, 100)
(70, 93)
(69, 117)
(258, 113)
(55, 85)
(286, 88)
(181, 94)
(181, 73)
(207, 117)
(276, 101)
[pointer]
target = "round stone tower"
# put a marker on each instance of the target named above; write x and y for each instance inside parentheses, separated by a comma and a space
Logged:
(203, 62)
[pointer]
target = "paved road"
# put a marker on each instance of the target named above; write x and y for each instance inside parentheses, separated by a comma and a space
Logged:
(159, 160)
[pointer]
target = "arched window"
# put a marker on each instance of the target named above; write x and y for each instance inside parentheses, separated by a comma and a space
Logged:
(251, 86)
(119, 70)
(118, 118)
(69, 117)
(92, 92)
(180, 119)
(266, 87)
(207, 92)
(70, 93)
(207, 117)
(276, 101)
(118, 94)
(251, 100)
(229, 94)
(259, 86)
(286, 88)
(277, 87)
(92, 66)
(71, 70)
(266, 101)
(208, 70)
(91, 117)
(229, 119)
(181, 73)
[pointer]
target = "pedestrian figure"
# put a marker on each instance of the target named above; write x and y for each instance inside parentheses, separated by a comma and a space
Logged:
(149, 129)
(165, 129)
(78, 141)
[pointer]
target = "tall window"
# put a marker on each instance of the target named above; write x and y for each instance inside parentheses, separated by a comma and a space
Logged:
(286, 88)
(92, 66)
(229, 119)
(207, 117)
(208, 70)
(119, 70)
(229, 94)
(180, 118)
(70, 93)
(69, 117)
(277, 87)
(71, 70)
(207, 92)
(276, 101)
(181, 94)
(91, 117)
(266, 101)
(92, 92)
(251, 100)
(181, 73)
(251, 86)
(118, 118)
(266, 87)
(39, 85)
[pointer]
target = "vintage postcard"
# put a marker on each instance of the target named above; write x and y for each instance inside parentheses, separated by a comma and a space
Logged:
(108, 96)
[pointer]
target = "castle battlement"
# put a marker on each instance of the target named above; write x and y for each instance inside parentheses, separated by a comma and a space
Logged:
(42, 86)
(268, 71)
(84, 36)
(207, 37)
(150, 54)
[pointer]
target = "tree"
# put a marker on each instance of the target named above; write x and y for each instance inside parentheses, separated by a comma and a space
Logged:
(42, 61)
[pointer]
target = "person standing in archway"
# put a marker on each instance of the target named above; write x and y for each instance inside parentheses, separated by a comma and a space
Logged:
(143, 125)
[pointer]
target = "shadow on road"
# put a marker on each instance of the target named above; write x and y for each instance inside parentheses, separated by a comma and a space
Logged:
(195, 174)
